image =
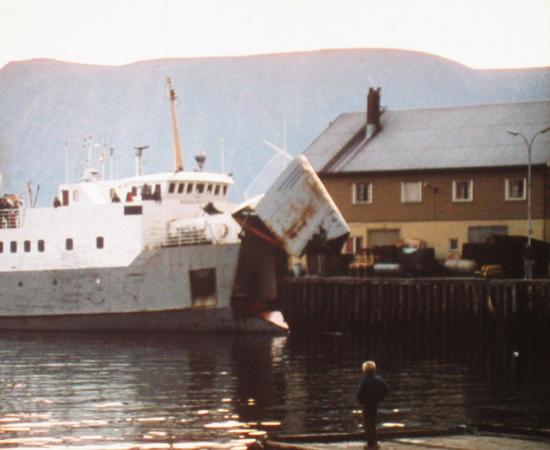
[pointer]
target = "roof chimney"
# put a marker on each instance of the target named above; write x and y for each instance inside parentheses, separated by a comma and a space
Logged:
(373, 111)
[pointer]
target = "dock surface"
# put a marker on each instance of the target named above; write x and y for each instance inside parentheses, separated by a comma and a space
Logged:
(454, 442)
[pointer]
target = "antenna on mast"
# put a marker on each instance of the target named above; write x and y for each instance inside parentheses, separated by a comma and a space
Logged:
(66, 162)
(111, 157)
(222, 156)
(139, 154)
(178, 158)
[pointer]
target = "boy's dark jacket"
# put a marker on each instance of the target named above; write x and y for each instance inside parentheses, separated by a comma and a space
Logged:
(371, 390)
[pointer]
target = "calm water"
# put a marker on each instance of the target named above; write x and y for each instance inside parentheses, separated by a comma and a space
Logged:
(123, 390)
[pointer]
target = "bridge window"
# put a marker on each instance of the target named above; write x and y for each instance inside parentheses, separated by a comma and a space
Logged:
(41, 245)
(99, 242)
(69, 244)
(13, 246)
(27, 246)
(181, 187)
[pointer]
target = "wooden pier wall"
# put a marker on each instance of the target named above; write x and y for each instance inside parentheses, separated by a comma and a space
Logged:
(444, 307)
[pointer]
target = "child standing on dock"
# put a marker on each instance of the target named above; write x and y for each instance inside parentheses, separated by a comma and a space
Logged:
(371, 390)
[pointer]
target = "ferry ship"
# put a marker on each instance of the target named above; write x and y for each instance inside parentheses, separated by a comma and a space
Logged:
(156, 252)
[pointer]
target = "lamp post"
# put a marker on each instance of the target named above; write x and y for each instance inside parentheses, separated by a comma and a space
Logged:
(528, 257)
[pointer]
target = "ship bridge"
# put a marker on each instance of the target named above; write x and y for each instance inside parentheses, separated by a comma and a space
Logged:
(181, 187)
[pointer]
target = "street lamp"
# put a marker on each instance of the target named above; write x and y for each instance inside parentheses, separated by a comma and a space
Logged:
(528, 259)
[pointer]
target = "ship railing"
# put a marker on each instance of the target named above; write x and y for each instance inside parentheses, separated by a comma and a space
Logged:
(181, 237)
(11, 218)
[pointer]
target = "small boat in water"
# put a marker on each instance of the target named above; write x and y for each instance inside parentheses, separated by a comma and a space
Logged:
(151, 252)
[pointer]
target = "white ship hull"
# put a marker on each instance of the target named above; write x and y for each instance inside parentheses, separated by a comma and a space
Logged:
(153, 293)
(155, 252)
(218, 320)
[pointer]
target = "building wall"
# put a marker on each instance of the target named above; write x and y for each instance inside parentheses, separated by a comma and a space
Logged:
(438, 234)
(437, 219)
(488, 203)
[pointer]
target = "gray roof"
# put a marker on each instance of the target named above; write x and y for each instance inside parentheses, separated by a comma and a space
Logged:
(442, 138)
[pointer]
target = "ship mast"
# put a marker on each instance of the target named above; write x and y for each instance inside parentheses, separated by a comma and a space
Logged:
(178, 158)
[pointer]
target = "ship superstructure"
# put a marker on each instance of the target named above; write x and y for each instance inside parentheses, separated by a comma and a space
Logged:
(166, 251)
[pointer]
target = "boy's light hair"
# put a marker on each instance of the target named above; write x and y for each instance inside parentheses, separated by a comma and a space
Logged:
(369, 367)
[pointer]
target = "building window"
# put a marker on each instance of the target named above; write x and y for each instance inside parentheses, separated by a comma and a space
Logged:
(13, 246)
(362, 192)
(515, 189)
(225, 190)
(453, 244)
(411, 192)
(99, 242)
(41, 245)
(383, 237)
(190, 188)
(463, 190)
(69, 244)
(27, 246)
(1, 247)
(172, 188)
(354, 245)
(181, 187)
(200, 188)
(481, 234)
(217, 190)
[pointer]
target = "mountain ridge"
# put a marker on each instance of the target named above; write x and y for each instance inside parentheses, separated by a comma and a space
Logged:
(242, 100)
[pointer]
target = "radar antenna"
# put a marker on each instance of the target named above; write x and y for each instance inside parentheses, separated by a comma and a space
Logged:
(139, 154)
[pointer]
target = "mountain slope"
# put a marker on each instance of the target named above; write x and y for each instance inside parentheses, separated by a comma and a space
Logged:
(49, 107)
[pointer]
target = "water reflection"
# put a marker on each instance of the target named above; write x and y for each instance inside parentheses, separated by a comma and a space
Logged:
(162, 390)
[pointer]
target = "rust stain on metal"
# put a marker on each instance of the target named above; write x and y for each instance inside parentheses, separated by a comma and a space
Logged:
(307, 213)
(297, 205)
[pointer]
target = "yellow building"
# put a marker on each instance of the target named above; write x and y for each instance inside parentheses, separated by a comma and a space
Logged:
(446, 176)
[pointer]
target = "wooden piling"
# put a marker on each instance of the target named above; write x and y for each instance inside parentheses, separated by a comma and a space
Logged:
(468, 309)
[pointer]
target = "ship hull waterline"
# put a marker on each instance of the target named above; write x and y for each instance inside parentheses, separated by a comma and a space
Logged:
(215, 320)
(154, 293)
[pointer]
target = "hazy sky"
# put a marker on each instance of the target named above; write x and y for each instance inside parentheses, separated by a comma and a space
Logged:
(478, 33)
